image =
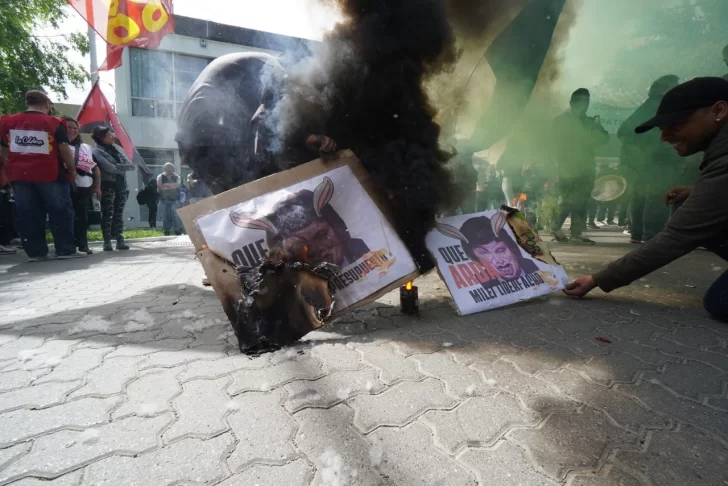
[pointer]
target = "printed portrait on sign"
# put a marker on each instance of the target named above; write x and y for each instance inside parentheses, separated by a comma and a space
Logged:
(500, 251)
(327, 218)
(305, 227)
(484, 266)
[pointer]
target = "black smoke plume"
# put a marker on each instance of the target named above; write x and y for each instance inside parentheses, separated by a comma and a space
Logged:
(364, 88)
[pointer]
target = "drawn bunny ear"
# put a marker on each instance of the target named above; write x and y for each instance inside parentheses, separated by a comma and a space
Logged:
(497, 222)
(252, 221)
(322, 195)
(451, 231)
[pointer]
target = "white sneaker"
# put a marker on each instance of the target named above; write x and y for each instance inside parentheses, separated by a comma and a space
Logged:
(69, 256)
(4, 250)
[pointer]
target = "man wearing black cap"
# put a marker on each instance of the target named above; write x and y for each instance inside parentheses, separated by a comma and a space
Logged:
(40, 166)
(693, 117)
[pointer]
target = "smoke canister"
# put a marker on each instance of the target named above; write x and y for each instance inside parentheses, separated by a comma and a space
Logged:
(409, 299)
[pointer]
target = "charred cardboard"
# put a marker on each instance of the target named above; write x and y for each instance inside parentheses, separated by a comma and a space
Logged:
(222, 274)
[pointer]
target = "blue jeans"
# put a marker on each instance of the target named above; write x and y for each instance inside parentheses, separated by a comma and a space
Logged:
(33, 200)
(170, 220)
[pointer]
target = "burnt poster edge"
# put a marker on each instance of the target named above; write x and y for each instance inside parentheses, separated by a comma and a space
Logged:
(189, 214)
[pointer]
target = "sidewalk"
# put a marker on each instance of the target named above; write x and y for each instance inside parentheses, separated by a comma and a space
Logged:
(120, 369)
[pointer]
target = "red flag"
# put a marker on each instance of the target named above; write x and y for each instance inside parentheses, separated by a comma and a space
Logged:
(97, 111)
(121, 23)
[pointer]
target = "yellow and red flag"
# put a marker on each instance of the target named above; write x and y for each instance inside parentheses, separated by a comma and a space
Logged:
(122, 23)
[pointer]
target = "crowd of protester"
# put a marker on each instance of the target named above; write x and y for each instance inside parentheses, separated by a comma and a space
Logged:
(49, 177)
(554, 182)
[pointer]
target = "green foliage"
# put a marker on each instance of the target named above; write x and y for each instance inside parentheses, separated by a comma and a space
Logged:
(32, 62)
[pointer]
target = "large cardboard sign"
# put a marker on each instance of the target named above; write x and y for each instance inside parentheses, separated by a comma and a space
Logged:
(483, 266)
(323, 211)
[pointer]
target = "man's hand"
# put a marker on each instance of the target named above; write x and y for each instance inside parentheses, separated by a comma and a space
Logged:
(320, 143)
(677, 194)
(581, 286)
(97, 191)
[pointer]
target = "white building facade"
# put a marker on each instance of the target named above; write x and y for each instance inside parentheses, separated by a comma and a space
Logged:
(152, 83)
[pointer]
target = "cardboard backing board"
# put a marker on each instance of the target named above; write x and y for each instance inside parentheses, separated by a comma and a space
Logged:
(190, 214)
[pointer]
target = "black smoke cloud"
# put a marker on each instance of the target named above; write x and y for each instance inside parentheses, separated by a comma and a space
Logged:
(364, 88)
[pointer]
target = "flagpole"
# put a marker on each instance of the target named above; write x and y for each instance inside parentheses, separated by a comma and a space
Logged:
(92, 53)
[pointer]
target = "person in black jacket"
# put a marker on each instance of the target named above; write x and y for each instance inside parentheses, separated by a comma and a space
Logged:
(113, 164)
(150, 197)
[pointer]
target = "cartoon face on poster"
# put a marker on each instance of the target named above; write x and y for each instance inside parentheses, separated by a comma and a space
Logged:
(328, 218)
(483, 265)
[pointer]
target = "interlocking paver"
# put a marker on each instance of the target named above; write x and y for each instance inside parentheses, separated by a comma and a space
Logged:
(37, 396)
(168, 359)
(613, 477)
(9, 454)
(221, 367)
(620, 408)
(295, 473)
(264, 430)
(298, 368)
(609, 369)
(22, 424)
(329, 436)
(70, 479)
(59, 452)
(535, 393)
(46, 356)
(201, 408)
(542, 358)
(392, 365)
(18, 378)
(460, 382)
(141, 349)
(150, 394)
(401, 458)
(400, 404)
(331, 389)
(11, 350)
(685, 456)
(337, 357)
(572, 442)
(691, 380)
(479, 352)
(654, 396)
(480, 420)
(109, 378)
(662, 344)
(75, 366)
(504, 464)
(187, 461)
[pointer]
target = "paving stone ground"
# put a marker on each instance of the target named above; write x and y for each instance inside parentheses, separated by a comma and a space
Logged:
(120, 369)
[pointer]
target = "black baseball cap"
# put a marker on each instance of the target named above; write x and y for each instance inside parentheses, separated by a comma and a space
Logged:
(685, 99)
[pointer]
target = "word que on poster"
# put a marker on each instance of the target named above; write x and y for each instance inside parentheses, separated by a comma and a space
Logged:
(329, 218)
(484, 267)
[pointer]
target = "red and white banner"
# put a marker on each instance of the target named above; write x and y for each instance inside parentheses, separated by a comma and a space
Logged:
(122, 23)
(97, 111)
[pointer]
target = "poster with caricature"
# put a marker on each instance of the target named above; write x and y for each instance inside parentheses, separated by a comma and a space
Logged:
(328, 218)
(484, 267)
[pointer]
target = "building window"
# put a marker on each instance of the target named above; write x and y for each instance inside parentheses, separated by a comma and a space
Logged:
(160, 81)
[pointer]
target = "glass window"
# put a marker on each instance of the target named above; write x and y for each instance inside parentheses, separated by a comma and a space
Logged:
(159, 79)
(186, 70)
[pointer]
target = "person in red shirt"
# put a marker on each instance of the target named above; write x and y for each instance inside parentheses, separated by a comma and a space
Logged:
(40, 167)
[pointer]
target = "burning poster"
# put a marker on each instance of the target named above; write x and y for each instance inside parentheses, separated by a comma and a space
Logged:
(328, 218)
(483, 265)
